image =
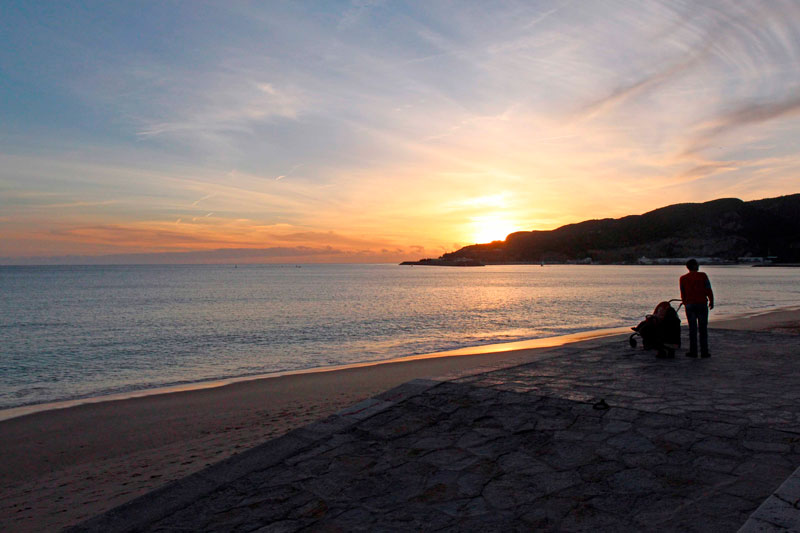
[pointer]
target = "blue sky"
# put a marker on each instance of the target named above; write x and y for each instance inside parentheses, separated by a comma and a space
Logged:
(373, 131)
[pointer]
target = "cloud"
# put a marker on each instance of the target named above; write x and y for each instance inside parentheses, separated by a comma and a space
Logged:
(749, 113)
(135, 236)
(206, 197)
(277, 254)
(219, 256)
(291, 171)
(648, 82)
(708, 169)
(223, 102)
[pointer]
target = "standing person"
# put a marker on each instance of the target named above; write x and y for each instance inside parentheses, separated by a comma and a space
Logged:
(697, 298)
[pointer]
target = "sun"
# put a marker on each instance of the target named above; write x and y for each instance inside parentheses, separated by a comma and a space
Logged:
(492, 228)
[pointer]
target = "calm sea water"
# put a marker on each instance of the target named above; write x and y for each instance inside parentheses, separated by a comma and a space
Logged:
(70, 332)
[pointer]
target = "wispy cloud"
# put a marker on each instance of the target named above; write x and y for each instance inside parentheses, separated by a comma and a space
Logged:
(647, 82)
(370, 125)
(747, 114)
(227, 103)
(206, 197)
(291, 171)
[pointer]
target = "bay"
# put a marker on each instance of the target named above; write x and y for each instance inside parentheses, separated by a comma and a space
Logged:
(69, 332)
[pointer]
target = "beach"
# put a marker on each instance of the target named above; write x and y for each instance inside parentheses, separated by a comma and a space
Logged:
(62, 466)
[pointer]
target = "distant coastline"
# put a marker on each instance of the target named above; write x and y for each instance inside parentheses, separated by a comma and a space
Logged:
(726, 231)
(656, 262)
(461, 262)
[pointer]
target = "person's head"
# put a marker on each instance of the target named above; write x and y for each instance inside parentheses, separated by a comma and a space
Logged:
(692, 265)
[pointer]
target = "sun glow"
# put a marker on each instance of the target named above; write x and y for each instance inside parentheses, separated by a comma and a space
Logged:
(492, 228)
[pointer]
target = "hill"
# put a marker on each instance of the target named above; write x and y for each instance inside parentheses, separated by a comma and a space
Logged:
(725, 229)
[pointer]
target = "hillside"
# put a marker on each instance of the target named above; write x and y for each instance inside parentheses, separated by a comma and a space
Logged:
(727, 229)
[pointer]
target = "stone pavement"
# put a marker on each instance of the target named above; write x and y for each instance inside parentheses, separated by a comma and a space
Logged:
(675, 445)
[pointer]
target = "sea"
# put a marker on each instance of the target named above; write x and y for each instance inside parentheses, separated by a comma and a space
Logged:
(71, 332)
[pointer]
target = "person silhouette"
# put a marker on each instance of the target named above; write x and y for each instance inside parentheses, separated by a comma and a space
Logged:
(697, 298)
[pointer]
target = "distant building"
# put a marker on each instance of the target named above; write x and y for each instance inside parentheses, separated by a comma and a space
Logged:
(679, 260)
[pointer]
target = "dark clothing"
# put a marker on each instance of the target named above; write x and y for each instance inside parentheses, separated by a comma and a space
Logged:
(696, 295)
(696, 288)
(697, 316)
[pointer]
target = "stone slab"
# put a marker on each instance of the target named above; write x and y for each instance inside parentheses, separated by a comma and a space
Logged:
(779, 512)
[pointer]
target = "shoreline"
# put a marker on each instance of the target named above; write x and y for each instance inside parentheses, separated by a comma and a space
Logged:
(65, 465)
(484, 349)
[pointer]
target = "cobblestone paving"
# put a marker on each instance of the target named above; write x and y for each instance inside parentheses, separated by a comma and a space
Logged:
(750, 378)
(684, 445)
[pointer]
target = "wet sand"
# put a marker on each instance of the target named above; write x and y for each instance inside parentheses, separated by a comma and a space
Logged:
(62, 466)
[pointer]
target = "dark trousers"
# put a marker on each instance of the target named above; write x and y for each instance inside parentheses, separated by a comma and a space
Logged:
(697, 315)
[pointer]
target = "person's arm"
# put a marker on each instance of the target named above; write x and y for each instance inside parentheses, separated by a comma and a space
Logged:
(709, 293)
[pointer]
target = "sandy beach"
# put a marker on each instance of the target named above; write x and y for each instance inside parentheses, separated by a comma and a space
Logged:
(62, 466)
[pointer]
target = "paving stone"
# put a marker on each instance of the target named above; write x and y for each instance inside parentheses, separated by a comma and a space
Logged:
(568, 456)
(617, 426)
(682, 437)
(585, 518)
(719, 504)
(679, 457)
(451, 459)
(717, 464)
(554, 423)
(518, 461)
(618, 413)
(751, 467)
(356, 519)
(281, 526)
(790, 489)
(655, 511)
(656, 420)
(549, 482)
(752, 490)
(756, 525)
(472, 482)
(434, 442)
(766, 446)
(507, 492)
(719, 446)
(646, 460)
(621, 504)
(634, 480)
(653, 434)
(630, 441)
(600, 470)
(782, 461)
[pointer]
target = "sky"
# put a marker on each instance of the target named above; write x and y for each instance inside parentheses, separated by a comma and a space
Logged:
(370, 131)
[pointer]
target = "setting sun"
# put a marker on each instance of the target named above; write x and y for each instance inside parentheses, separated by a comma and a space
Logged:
(488, 229)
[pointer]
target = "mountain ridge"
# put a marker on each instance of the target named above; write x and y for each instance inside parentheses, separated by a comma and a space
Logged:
(724, 229)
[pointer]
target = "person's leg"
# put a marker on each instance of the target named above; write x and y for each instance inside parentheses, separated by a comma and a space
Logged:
(702, 324)
(691, 317)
